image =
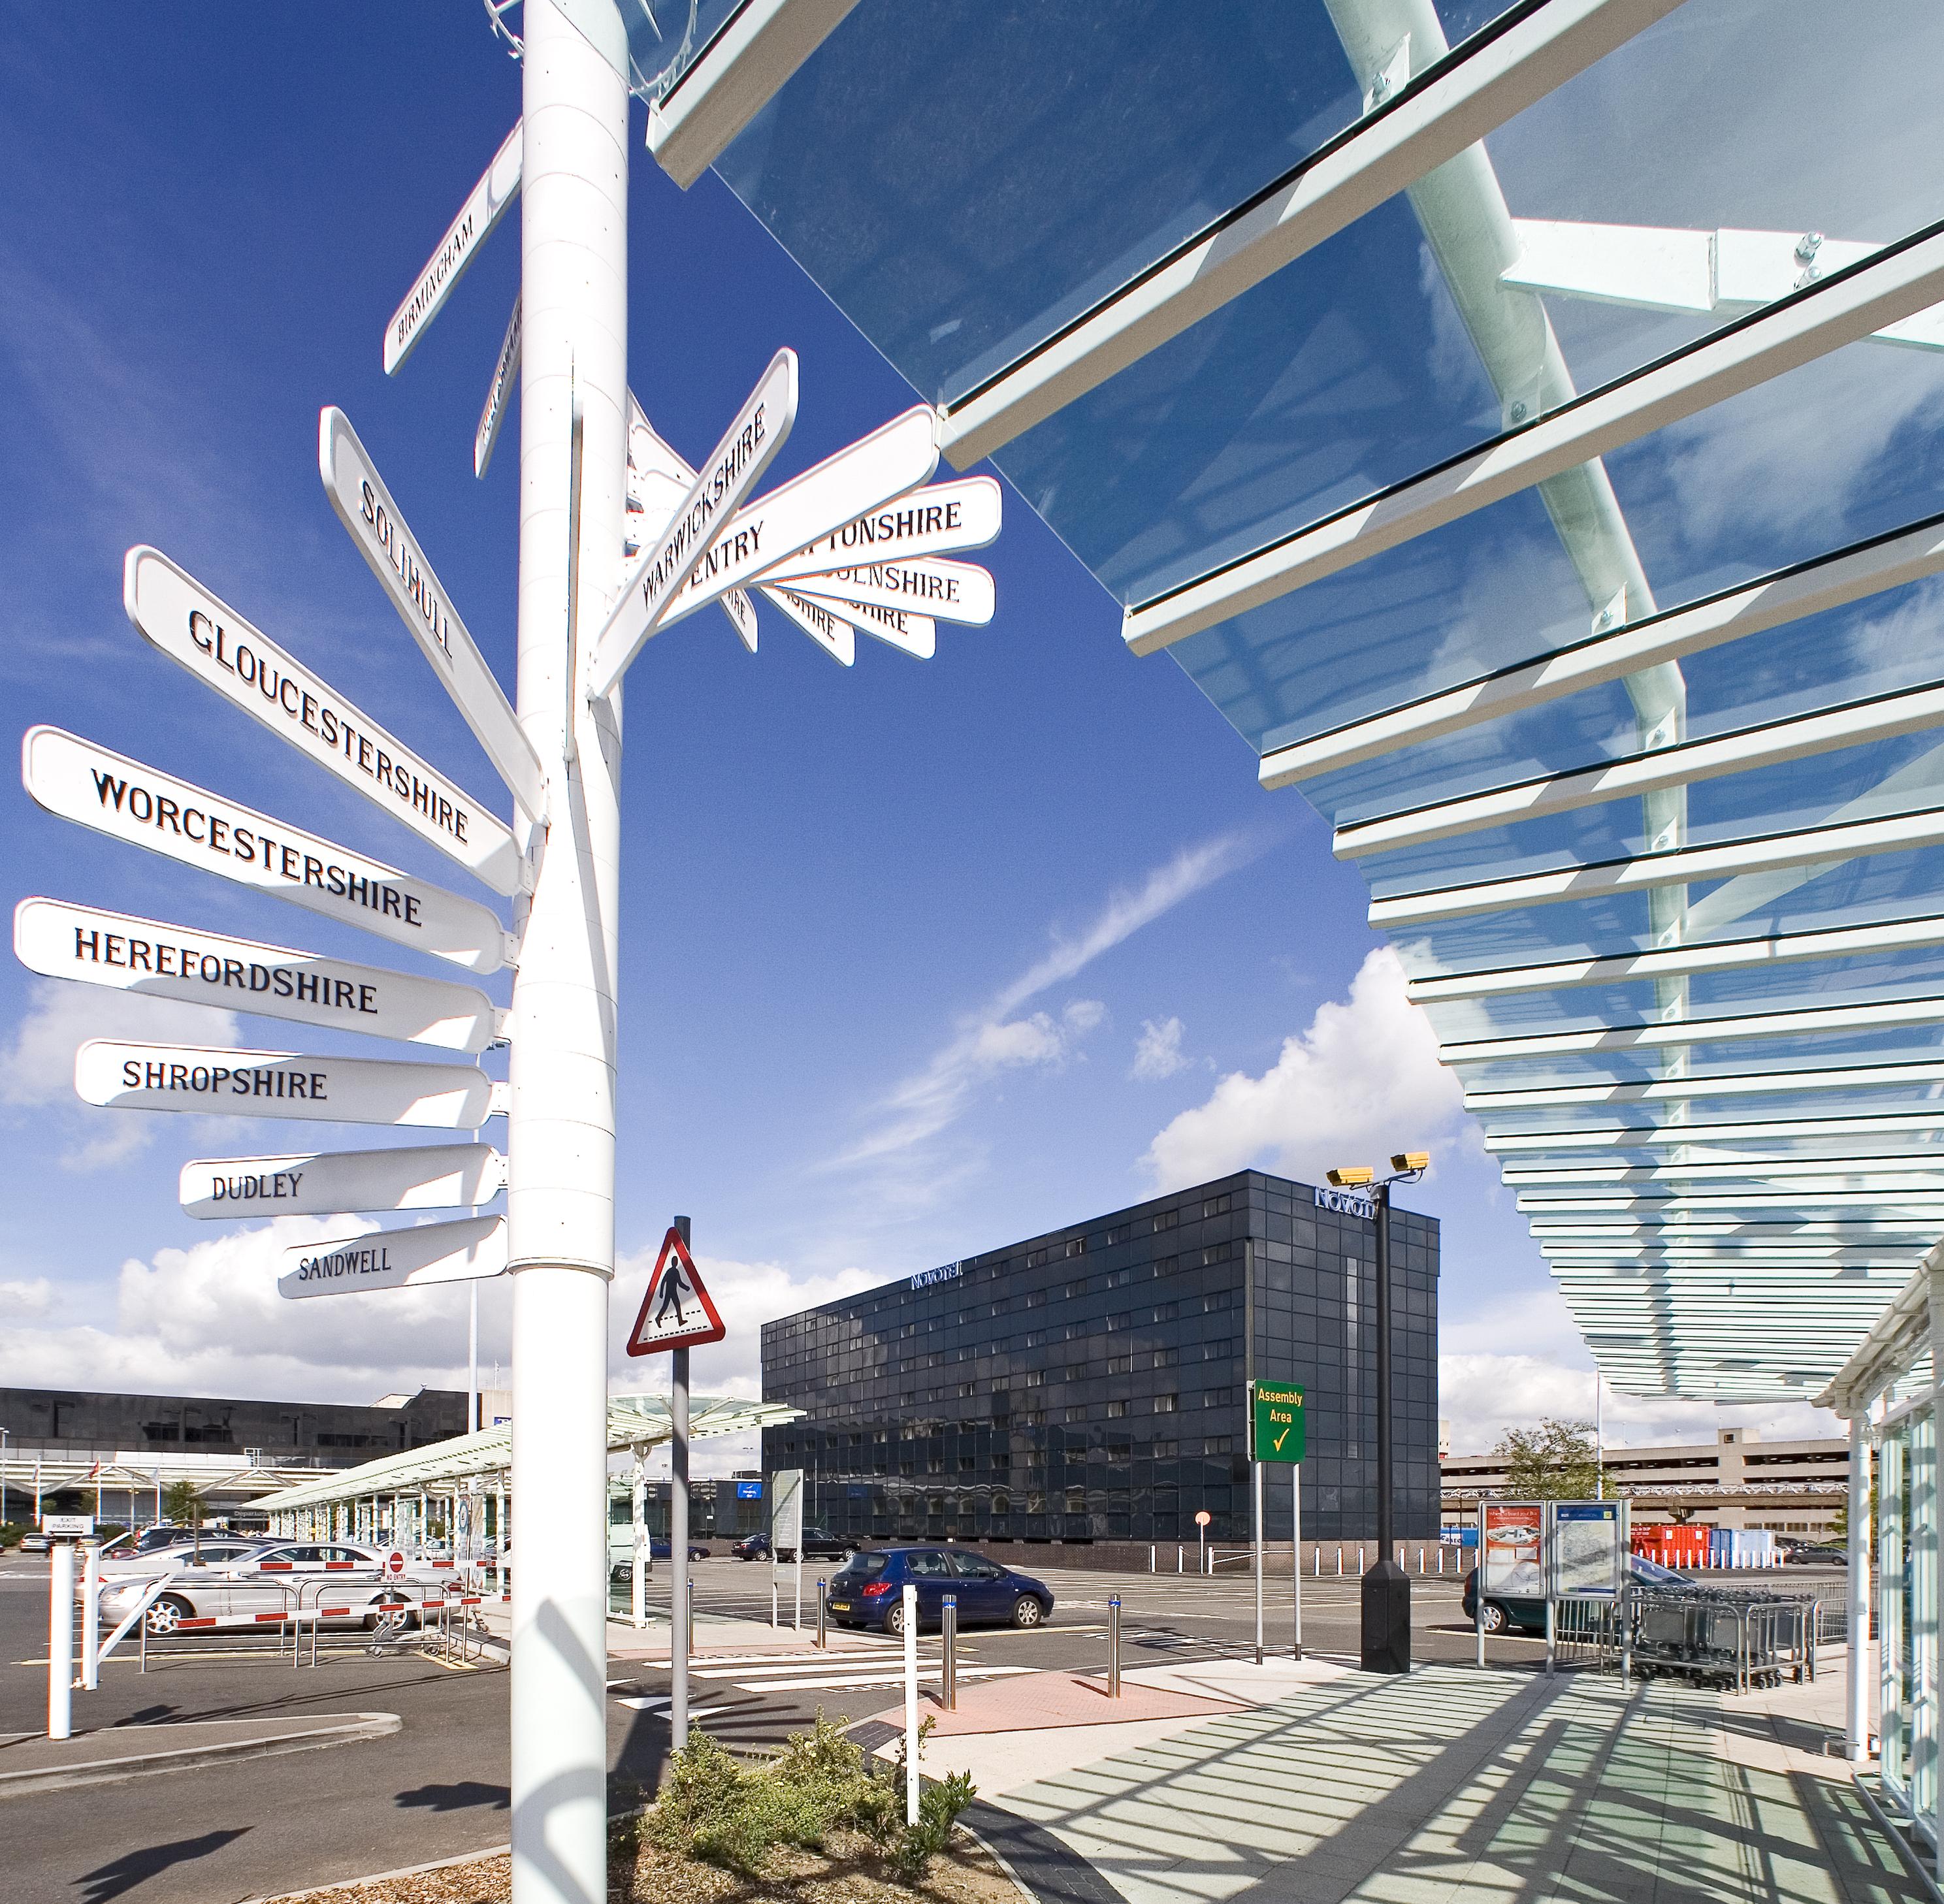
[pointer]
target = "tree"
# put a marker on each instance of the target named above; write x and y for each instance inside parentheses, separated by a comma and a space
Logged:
(1555, 1461)
(181, 1504)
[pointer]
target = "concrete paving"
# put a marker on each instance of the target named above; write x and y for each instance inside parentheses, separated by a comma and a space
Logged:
(30, 1762)
(1457, 1787)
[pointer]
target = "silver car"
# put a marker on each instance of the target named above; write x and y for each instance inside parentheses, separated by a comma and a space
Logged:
(216, 1550)
(344, 1582)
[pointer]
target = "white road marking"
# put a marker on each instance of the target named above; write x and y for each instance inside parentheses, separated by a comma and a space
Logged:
(874, 1682)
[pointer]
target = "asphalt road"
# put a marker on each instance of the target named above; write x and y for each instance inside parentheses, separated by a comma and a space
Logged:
(438, 1788)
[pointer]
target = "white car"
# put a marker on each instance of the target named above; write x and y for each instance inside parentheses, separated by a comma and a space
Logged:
(348, 1582)
(217, 1550)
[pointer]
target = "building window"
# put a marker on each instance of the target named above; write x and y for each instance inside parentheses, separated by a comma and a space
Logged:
(1035, 1298)
(1166, 1219)
(1002, 1503)
(1076, 1500)
(1115, 1409)
(1163, 1266)
(1216, 1206)
(1035, 1503)
(1167, 1404)
(1166, 1450)
(1077, 1247)
(1035, 1258)
(1218, 1445)
(1035, 1378)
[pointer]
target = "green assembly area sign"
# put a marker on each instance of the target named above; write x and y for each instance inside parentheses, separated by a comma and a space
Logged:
(1277, 1424)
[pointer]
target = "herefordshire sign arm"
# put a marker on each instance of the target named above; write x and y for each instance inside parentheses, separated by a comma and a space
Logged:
(464, 1251)
(364, 505)
(216, 1081)
(218, 646)
(485, 205)
(127, 953)
(339, 1183)
(108, 791)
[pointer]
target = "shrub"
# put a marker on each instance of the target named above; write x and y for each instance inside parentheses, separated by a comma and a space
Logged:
(716, 1810)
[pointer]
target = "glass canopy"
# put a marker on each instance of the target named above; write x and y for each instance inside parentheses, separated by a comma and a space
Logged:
(1521, 422)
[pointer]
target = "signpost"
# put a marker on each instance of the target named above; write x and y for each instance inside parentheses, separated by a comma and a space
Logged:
(1278, 1429)
(211, 968)
(485, 205)
(365, 507)
(248, 670)
(462, 1251)
(957, 591)
(945, 518)
(108, 791)
(216, 1081)
(676, 1312)
(324, 1183)
(498, 395)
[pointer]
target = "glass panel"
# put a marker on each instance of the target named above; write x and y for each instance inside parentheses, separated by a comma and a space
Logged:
(666, 37)
(1897, 1668)
(964, 191)
(1921, 1543)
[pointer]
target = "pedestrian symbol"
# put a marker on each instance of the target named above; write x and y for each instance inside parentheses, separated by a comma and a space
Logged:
(676, 1311)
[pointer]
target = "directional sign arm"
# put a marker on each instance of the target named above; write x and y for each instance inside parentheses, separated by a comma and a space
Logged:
(827, 629)
(485, 205)
(942, 519)
(650, 456)
(706, 513)
(498, 393)
(897, 456)
(958, 592)
(364, 506)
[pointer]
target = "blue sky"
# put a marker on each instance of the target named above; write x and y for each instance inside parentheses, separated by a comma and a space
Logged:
(917, 958)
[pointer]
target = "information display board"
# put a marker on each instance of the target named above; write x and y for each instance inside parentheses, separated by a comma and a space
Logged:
(786, 1510)
(1512, 1561)
(1590, 1545)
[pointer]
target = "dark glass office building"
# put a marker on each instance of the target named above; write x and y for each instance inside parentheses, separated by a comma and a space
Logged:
(1089, 1384)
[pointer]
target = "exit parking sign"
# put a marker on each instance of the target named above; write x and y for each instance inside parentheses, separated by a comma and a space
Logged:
(1277, 1424)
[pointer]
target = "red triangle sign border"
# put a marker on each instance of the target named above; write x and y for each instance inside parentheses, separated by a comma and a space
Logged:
(673, 1248)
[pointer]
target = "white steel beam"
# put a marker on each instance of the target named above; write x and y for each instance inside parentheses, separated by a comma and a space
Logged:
(1893, 285)
(1407, 134)
(1882, 717)
(1909, 1208)
(1680, 961)
(1882, 1170)
(1628, 1137)
(733, 77)
(1814, 846)
(1847, 575)
(1822, 1021)
(1746, 1083)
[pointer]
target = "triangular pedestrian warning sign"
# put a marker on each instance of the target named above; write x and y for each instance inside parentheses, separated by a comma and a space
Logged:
(676, 1312)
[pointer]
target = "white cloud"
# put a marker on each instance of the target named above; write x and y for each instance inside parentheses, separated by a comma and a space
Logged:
(995, 1040)
(1512, 1365)
(1157, 1050)
(19, 1301)
(1362, 1080)
(37, 1070)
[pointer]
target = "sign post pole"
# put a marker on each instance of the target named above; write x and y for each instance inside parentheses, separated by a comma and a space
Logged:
(1296, 1546)
(1256, 1477)
(60, 1639)
(560, 1207)
(678, 1612)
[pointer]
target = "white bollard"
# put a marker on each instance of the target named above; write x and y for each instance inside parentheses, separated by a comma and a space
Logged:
(911, 1704)
(60, 1640)
(90, 1617)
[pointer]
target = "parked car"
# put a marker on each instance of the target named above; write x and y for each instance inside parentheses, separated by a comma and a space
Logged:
(216, 1550)
(819, 1543)
(621, 1550)
(1804, 1556)
(869, 1589)
(752, 1546)
(272, 1577)
(1505, 1610)
(35, 1541)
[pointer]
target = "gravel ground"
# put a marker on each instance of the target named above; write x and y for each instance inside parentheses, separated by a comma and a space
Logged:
(848, 1872)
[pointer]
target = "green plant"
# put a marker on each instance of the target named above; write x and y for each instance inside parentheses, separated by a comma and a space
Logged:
(1555, 1461)
(938, 1806)
(181, 1503)
(11, 1532)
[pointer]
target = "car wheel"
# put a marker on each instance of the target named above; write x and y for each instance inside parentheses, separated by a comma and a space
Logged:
(1028, 1612)
(894, 1620)
(1494, 1621)
(166, 1615)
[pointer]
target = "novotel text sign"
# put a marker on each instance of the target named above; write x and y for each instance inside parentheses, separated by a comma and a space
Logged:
(1347, 1203)
(96, 788)
(464, 1251)
(946, 1273)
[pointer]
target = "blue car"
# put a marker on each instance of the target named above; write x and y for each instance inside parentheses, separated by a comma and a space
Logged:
(869, 1589)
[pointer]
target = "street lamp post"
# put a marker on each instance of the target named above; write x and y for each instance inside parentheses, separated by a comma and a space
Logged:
(1387, 1587)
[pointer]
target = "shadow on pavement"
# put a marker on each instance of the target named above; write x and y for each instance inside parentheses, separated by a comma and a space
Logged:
(466, 1795)
(123, 1873)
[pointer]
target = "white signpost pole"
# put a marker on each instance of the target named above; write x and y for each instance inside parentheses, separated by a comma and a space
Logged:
(678, 1606)
(560, 1208)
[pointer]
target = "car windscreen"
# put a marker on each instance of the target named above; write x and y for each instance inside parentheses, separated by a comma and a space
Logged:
(865, 1565)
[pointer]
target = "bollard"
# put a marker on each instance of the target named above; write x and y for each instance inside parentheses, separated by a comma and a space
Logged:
(1113, 1647)
(948, 1667)
(690, 1610)
(822, 1616)
(1181, 1560)
(1151, 1559)
(90, 1617)
(1339, 1563)
(910, 1597)
(60, 1639)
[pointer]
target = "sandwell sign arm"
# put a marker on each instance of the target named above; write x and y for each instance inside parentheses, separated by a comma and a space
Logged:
(364, 505)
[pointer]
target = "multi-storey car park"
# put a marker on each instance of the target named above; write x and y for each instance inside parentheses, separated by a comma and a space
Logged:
(1089, 1384)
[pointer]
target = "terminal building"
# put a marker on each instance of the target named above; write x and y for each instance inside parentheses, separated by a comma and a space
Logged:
(1091, 1384)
